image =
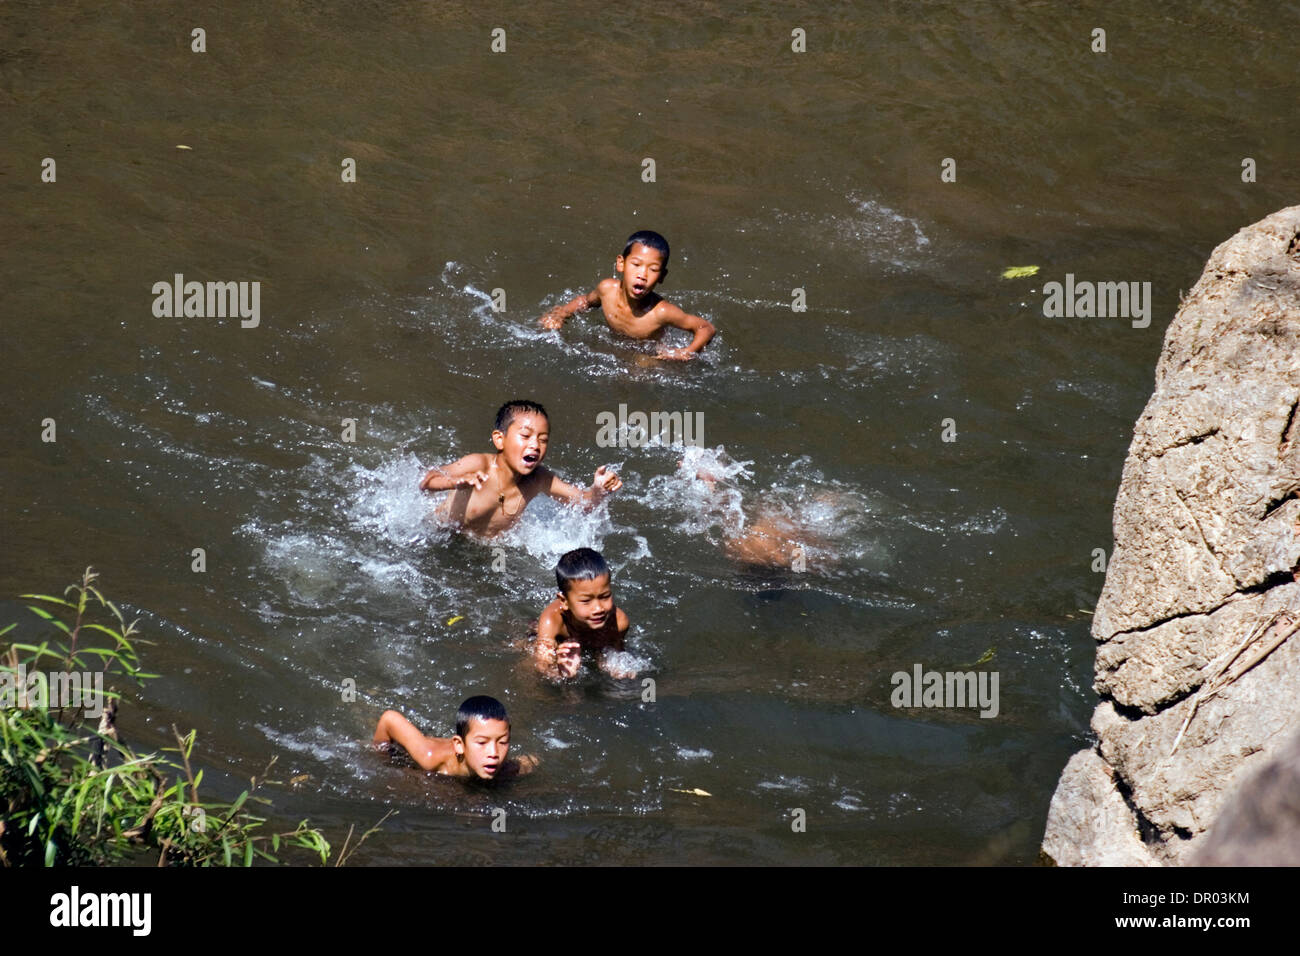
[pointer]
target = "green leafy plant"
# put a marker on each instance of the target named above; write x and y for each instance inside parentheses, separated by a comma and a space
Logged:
(73, 794)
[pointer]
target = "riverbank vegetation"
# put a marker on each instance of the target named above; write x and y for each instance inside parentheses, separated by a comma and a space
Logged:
(72, 792)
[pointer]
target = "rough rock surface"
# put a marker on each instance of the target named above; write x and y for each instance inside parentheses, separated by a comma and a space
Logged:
(1258, 826)
(1206, 541)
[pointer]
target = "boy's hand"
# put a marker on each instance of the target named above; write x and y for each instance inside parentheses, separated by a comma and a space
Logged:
(606, 481)
(474, 479)
(675, 355)
(553, 319)
(568, 658)
(618, 673)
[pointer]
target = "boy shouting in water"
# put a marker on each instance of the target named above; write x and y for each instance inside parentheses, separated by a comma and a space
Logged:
(631, 305)
(490, 492)
(581, 620)
(478, 748)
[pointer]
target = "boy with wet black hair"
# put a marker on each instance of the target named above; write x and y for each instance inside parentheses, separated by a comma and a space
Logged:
(477, 749)
(630, 304)
(581, 620)
(490, 492)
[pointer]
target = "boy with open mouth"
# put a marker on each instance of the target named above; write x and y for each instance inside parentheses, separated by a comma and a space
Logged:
(630, 304)
(490, 492)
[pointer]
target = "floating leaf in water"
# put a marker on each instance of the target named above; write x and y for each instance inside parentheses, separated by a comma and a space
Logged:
(697, 792)
(181, 146)
(300, 779)
(1019, 272)
(984, 659)
(453, 620)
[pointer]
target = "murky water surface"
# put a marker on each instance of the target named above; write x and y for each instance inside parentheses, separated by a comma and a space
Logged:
(521, 171)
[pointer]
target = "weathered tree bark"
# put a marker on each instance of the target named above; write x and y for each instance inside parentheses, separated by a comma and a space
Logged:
(1206, 542)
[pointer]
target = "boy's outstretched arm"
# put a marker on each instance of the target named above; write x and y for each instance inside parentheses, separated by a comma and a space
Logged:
(469, 471)
(429, 752)
(554, 319)
(702, 329)
(604, 482)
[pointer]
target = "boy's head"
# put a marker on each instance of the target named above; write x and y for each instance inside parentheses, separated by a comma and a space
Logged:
(521, 433)
(643, 264)
(584, 581)
(482, 737)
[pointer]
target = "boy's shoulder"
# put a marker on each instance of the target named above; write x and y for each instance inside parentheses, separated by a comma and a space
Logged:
(553, 613)
(622, 620)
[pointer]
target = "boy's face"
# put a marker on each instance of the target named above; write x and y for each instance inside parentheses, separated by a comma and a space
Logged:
(642, 269)
(484, 747)
(590, 602)
(524, 443)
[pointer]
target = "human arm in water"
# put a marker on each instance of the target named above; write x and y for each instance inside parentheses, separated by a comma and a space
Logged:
(555, 317)
(468, 472)
(616, 646)
(702, 329)
(555, 655)
(431, 753)
(603, 483)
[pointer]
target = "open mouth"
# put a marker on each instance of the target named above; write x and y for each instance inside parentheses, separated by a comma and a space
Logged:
(531, 459)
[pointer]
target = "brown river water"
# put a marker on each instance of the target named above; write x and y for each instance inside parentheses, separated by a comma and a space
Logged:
(522, 170)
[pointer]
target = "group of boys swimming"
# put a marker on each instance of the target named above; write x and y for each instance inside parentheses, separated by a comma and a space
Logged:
(488, 493)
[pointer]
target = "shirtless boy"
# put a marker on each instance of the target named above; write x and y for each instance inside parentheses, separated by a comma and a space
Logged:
(631, 305)
(478, 748)
(490, 492)
(581, 620)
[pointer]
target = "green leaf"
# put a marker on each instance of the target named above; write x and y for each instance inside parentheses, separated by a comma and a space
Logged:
(41, 612)
(46, 597)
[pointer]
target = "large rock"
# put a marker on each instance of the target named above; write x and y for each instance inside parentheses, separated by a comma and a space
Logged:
(1258, 826)
(1205, 546)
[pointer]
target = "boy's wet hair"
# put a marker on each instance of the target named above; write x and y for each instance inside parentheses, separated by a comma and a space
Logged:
(481, 707)
(649, 239)
(580, 564)
(511, 410)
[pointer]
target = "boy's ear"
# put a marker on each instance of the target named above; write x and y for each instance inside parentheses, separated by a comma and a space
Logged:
(458, 744)
(498, 439)
(618, 264)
